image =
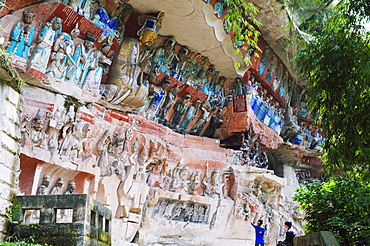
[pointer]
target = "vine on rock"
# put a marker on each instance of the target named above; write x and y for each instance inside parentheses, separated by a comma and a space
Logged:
(240, 20)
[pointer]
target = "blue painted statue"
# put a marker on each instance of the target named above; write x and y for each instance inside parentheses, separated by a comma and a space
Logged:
(164, 56)
(102, 20)
(180, 109)
(219, 9)
(46, 38)
(22, 36)
(159, 96)
(168, 102)
(264, 60)
(190, 114)
(271, 69)
(76, 73)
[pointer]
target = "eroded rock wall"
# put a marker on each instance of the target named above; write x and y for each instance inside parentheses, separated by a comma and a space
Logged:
(10, 100)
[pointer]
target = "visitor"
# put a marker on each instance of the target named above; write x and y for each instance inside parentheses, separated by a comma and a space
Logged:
(260, 233)
(289, 235)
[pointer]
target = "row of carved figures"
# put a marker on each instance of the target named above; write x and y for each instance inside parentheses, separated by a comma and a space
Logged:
(266, 110)
(65, 137)
(61, 55)
(249, 153)
(61, 133)
(44, 188)
(75, 60)
(162, 98)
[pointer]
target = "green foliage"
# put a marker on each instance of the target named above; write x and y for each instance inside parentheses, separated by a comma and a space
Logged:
(6, 64)
(240, 19)
(13, 238)
(13, 213)
(18, 244)
(340, 205)
(335, 62)
(335, 59)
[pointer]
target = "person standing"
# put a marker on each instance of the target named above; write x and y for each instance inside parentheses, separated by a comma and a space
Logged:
(260, 233)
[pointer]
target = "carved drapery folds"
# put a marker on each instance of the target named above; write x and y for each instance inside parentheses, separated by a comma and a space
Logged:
(125, 82)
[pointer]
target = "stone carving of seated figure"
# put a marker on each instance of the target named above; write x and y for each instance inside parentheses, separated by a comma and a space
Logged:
(180, 181)
(41, 190)
(124, 76)
(37, 133)
(213, 185)
(57, 188)
(71, 188)
(156, 175)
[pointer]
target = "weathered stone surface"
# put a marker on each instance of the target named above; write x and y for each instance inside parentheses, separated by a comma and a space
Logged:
(77, 232)
(321, 238)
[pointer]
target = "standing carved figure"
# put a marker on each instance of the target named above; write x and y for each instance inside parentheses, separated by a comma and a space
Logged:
(22, 35)
(194, 182)
(180, 180)
(180, 109)
(76, 73)
(191, 112)
(25, 129)
(168, 102)
(46, 38)
(201, 122)
(214, 123)
(44, 185)
(254, 151)
(159, 95)
(57, 188)
(98, 66)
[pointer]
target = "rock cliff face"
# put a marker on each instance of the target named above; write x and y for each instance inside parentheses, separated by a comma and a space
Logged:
(138, 105)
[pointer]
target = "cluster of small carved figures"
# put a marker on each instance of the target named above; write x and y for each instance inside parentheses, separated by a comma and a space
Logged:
(184, 112)
(65, 137)
(60, 133)
(44, 188)
(66, 56)
(191, 69)
(183, 180)
(265, 107)
(306, 176)
(249, 154)
(284, 122)
(301, 134)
